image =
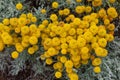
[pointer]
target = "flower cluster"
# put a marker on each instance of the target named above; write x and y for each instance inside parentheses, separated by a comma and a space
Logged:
(20, 32)
(69, 43)
(78, 40)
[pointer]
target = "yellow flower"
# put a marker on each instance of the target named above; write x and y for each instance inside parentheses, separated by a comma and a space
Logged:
(94, 29)
(55, 41)
(55, 5)
(45, 22)
(102, 42)
(42, 57)
(14, 21)
(79, 31)
(43, 11)
(88, 36)
(112, 1)
(80, 9)
(53, 17)
(19, 47)
(111, 27)
(81, 42)
(33, 40)
(88, 9)
(72, 31)
(75, 58)
(49, 61)
(63, 59)
(105, 53)
(99, 51)
(52, 51)
(58, 74)
(85, 56)
(6, 22)
(19, 6)
(47, 42)
(97, 3)
(60, 12)
(102, 32)
(64, 51)
(22, 21)
(96, 62)
(66, 27)
(84, 50)
(25, 30)
(14, 54)
(23, 15)
(106, 21)
(73, 76)
(78, 1)
(77, 21)
(112, 12)
(31, 50)
(33, 19)
(97, 69)
(73, 44)
(102, 12)
(72, 17)
(7, 39)
(66, 11)
(109, 37)
(33, 28)
(29, 15)
(68, 64)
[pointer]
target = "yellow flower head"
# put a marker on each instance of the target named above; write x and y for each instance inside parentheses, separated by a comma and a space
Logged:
(55, 5)
(33, 40)
(6, 22)
(78, 1)
(14, 54)
(22, 21)
(52, 51)
(112, 1)
(43, 11)
(63, 59)
(112, 12)
(99, 51)
(102, 42)
(53, 17)
(49, 61)
(102, 13)
(25, 30)
(33, 19)
(66, 11)
(68, 64)
(58, 74)
(19, 6)
(31, 50)
(97, 69)
(96, 62)
(88, 9)
(80, 9)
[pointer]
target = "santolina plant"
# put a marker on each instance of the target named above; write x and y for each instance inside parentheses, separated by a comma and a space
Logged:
(70, 38)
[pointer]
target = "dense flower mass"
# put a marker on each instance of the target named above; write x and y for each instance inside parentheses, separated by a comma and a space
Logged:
(69, 43)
